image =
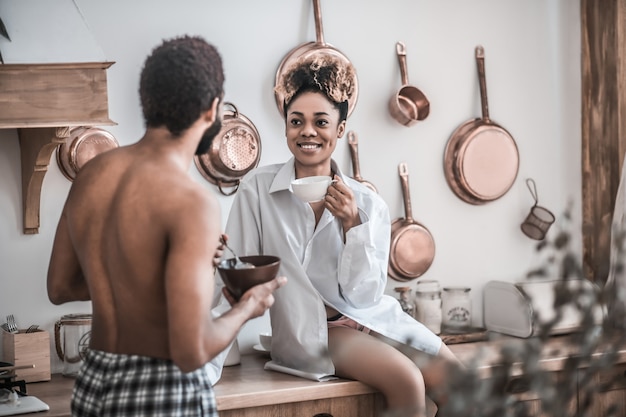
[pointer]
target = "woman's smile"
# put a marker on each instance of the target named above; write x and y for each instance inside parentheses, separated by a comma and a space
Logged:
(312, 129)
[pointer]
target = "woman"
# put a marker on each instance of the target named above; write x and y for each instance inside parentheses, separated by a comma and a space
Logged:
(333, 317)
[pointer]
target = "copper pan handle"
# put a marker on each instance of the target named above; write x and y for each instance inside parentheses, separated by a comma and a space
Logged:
(401, 52)
(319, 30)
(482, 80)
(403, 171)
(354, 152)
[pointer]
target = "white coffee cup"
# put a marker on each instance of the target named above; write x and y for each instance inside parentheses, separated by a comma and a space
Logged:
(311, 189)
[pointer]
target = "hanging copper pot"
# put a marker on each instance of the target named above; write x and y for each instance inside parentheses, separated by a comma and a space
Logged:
(306, 50)
(481, 159)
(234, 152)
(409, 105)
(82, 144)
(353, 142)
(412, 246)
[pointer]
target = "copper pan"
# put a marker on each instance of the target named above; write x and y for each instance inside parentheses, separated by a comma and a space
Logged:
(233, 153)
(306, 50)
(82, 144)
(409, 105)
(481, 159)
(412, 246)
(353, 142)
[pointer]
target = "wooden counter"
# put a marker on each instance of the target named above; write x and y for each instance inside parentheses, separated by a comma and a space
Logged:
(248, 390)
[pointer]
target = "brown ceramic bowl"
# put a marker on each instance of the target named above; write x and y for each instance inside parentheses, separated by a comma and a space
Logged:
(238, 281)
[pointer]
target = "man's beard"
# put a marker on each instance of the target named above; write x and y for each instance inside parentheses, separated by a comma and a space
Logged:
(208, 136)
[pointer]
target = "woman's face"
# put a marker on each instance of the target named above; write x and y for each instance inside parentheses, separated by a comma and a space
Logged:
(312, 128)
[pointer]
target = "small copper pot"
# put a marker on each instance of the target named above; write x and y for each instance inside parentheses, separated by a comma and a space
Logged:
(409, 105)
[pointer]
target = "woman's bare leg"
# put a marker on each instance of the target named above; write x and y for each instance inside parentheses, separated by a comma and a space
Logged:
(359, 356)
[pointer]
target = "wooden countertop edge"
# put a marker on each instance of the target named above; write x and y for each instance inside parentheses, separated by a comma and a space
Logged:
(280, 395)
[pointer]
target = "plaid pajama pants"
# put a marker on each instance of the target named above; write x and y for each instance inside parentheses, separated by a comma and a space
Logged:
(110, 384)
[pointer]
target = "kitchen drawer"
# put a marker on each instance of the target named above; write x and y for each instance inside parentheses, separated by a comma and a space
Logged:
(368, 405)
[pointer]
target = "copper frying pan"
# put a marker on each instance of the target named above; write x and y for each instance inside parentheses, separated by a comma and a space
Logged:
(481, 159)
(412, 246)
(353, 142)
(409, 105)
(319, 47)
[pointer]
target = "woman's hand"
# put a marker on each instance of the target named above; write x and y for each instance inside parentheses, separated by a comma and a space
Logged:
(340, 202)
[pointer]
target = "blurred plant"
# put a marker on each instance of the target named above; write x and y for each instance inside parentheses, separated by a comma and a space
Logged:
(572, 390)
(3, 32)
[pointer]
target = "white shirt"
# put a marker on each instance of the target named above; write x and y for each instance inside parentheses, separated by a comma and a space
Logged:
(267, 218)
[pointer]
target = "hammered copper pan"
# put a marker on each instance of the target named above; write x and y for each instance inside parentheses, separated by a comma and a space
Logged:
(235, 150)
(353, 142)
(319, 47)
(481, 159)
(412, 246)
(82, 144)
(409, 105)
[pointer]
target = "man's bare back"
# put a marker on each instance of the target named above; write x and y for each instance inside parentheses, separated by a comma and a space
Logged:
(121, 215)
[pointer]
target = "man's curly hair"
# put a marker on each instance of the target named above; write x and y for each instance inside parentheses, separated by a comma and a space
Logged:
(324, 73)
(180, 80)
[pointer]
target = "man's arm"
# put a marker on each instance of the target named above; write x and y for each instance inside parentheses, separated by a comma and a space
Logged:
(66, 281)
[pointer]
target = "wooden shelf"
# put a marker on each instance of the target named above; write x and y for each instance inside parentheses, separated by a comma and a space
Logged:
(42, 101)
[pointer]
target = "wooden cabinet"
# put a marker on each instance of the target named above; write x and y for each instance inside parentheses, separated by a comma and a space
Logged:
(526, 395)
(366, 405)
(610, 398)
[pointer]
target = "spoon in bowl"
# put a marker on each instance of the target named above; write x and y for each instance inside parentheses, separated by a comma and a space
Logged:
(235, 263)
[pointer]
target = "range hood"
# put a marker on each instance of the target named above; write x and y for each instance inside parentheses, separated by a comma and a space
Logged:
(48, 86)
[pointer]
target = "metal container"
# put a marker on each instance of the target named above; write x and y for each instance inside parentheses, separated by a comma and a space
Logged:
(71, 336)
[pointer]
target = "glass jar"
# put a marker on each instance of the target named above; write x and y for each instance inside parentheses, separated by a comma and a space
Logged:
(457, 308)
(405, 300)
(428, 304)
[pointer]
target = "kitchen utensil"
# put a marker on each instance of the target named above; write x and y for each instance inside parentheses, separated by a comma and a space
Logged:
(481, 159)
(412, 246)
(11, 324)
(13, 367)
(236, 262)
(235, 150)
(32, 328)
(80, 146)
(238, 281)
(306, 50)
(539, 220)
(311, 189)
(353, 143)
(71, 336)
(409, 105)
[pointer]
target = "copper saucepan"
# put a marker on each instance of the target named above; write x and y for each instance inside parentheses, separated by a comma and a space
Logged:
(481, 159)
(409, 105)
(80, 146)
(319, 47)
(235, 150)
(353, 142)
(412, 246)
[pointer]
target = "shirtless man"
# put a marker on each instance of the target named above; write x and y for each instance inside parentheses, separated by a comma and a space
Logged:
(136, 237)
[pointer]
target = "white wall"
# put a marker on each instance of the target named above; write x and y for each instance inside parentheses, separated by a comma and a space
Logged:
(532, 50)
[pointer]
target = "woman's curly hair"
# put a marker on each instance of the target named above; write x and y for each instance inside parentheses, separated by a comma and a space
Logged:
(324, 73)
